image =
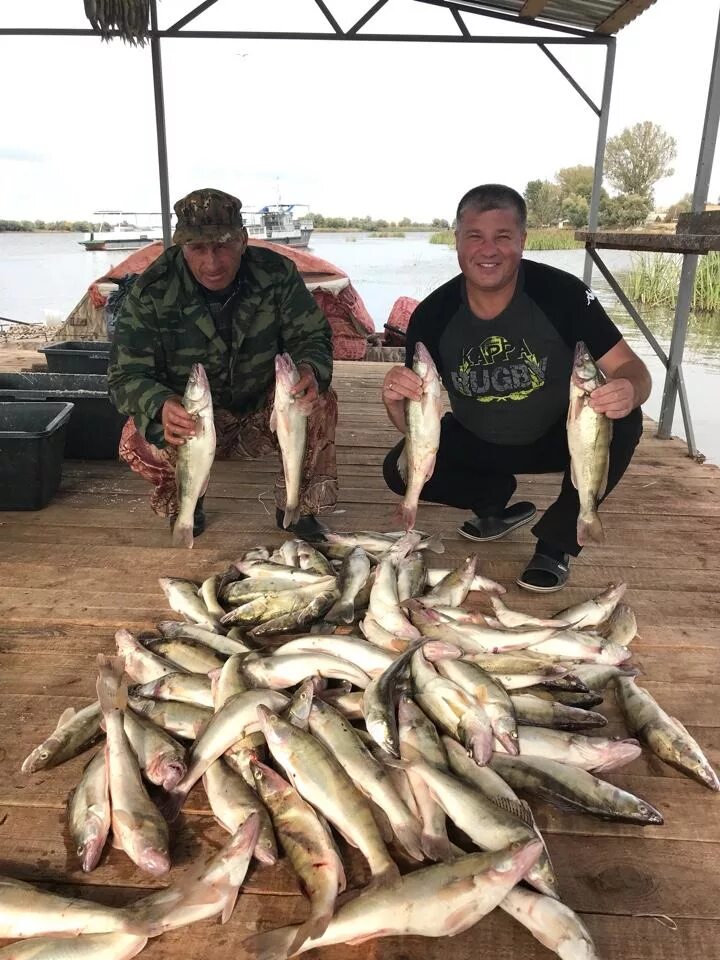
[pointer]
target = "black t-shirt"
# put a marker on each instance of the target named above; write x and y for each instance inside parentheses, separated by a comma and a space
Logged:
(508, 378)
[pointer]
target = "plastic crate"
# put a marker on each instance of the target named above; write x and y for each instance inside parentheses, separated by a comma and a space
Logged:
(95, 425)
(32, 439)
(77, 356)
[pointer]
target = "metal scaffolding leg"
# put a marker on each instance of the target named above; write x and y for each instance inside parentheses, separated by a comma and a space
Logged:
(160, 126)
(600, 151)
(687, 275)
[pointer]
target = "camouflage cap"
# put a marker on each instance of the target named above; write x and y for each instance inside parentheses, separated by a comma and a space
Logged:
(208, 216)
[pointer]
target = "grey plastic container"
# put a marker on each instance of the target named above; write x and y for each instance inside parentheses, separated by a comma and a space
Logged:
(77, 356)
(95, 425)
(32, 441)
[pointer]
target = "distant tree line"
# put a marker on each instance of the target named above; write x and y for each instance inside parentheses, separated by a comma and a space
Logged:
(368, 224)
(56, 226)
(634, 161)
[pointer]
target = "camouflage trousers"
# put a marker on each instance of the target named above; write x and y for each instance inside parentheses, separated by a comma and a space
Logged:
(246, 437)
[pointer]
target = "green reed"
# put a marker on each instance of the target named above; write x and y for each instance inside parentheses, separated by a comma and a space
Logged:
(551, 238)
(654, 281)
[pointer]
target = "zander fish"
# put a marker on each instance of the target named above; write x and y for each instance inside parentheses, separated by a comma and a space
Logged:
(666, 736)
(195, 456)
(589, 434)
(422, 436)
(289, 422)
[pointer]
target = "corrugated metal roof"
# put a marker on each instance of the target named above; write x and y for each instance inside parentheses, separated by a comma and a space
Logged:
(596, 16)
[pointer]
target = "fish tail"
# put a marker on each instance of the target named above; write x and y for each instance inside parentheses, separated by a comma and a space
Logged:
(292, 513)
(182, 535)
(111, 691)
(310, 930)
(408, 836)
(590, 530)
(435, 545)
(273, 944)
(171, 805)
(341, 610)
(386, 877)
(436, 847)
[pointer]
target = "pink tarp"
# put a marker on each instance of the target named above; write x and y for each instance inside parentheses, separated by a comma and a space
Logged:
(347, 315)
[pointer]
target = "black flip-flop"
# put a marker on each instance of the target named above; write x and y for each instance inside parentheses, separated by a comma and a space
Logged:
(559, 569)
(482, 529)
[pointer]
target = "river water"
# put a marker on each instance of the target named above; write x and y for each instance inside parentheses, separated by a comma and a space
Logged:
(42, 276)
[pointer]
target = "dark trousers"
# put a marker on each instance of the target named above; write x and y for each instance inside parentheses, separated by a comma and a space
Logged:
(471, 474)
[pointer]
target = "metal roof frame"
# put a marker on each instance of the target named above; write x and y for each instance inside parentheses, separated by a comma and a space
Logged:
(567, 22)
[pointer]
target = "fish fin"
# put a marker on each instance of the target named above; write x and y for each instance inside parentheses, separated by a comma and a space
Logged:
(230, 902)
(409, 838)
(341, 610)
(273, 421)
(271, 945)
(172, 803)
(436, 847)
(313, 928)
(590, 530)
(182, 535)
(434, 544)
(518, 808)
(408, 514)
(402, 465)
(291, 515)
(603, 485)
(509, 742)
(364, 937)
(65, 717)
(458, 920)
(112, 692)
(386, 877)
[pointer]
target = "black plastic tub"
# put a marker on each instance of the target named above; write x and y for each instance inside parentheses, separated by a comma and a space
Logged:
(77, 356)
(32, 438)
(95, 425)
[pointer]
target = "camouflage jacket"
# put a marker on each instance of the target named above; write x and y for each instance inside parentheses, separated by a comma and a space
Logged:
(164, 326)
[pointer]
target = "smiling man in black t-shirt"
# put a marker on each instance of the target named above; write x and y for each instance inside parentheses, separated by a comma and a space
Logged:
(502, 335)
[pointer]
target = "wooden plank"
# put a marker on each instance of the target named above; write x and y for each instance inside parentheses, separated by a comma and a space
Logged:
(620, 875)
(497, 935)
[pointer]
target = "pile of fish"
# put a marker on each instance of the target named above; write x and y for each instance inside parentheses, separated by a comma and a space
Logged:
(401, 719)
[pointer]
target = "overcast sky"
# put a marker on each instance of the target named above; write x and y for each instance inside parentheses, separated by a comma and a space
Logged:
(384, 129)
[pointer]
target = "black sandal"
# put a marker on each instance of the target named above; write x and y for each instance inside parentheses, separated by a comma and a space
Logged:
(549, 570)
(482, 529)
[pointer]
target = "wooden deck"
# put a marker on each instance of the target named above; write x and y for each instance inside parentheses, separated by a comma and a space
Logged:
(73, 573)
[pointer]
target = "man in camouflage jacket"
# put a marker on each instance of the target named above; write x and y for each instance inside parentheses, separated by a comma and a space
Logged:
(211, 299)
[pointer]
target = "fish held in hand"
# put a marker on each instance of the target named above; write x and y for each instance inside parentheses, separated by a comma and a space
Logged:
(422, 435)
(589, 434)
(289, 421)
(194, 457)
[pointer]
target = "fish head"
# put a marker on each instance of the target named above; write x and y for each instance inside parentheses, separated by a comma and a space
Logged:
(423, 363)
(381, 733)
(585, 374)
(286, 373)
(89, 851)
(197, 389)
(515, 860)
(267, 780)
(154, 860)
(166, 770)
(276, 730)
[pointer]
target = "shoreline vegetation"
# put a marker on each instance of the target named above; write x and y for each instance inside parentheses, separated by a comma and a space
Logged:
(654, 281)
(538, 238)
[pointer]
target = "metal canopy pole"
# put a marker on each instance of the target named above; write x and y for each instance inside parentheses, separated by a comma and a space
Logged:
(690, 261)
(600, 152)
(160, 125)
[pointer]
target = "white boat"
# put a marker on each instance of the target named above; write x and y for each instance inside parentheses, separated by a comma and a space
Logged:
(124, 235)
(288, 223)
